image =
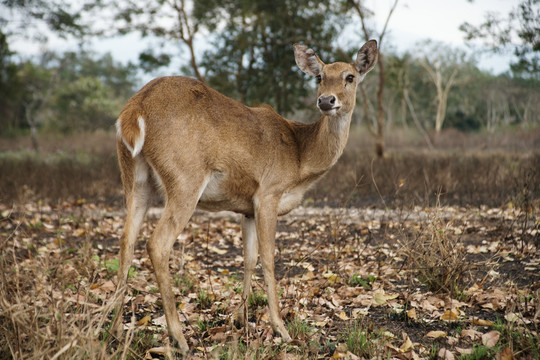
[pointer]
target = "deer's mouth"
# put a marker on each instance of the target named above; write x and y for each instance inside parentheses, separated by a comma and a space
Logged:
(330, 111)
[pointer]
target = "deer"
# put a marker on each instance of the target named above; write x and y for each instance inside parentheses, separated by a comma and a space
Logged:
(179, 139)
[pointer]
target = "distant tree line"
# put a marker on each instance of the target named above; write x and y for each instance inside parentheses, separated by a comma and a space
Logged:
(248, 56)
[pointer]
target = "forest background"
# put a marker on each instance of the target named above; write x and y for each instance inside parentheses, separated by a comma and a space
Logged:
(435, 201)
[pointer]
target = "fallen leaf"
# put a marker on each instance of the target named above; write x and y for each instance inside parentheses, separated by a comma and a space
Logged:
(482, 322)
(411, 314)
(144, 321)
(343, 316)
(511, 317)
(162, 350)
(436, 334)
(218, 334)
(160, 321)
(331, 277)
(381, 298)
(107, 286)
(79, 232)
(462, 351)
(445, 354)
(308, 276)
(475, 288)
(407, 343)
(491, 338)
(451, 315)
(507, 354)
(217, 250)
(473, 334)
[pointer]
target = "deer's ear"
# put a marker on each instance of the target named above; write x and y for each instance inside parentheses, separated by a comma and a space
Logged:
(366, 57)
(307, 60)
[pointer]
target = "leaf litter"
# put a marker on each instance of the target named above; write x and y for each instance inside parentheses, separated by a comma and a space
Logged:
(337, 268)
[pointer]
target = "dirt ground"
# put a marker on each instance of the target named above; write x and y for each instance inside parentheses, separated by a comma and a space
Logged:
(338, 270)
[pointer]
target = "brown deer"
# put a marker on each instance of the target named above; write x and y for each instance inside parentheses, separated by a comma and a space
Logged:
(198, 148)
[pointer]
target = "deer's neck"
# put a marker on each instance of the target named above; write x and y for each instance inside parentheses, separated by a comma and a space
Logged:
(322, 143)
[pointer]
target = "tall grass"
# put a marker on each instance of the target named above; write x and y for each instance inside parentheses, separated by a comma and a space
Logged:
(473, 172)
(48, 310)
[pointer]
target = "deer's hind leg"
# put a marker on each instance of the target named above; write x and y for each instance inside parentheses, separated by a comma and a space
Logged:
(182, 198)
(139, 191)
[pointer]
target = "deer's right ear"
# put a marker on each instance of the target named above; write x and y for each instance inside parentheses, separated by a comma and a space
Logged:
(307, 60)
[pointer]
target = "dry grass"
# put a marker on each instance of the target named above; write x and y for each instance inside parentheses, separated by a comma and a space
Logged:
(49, 307)
(410, 175)
(46, 311)
(435, 256)
(478, 169)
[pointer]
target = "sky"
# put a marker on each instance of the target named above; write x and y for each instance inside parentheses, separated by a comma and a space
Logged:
(411, 22)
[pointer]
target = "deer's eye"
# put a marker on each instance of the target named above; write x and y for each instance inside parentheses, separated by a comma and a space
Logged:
(350, 78)
(318, 77)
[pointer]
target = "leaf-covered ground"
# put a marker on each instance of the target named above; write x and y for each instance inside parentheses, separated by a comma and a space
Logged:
(442, 282)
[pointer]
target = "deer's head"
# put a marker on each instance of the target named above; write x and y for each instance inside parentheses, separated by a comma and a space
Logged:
(337, 81)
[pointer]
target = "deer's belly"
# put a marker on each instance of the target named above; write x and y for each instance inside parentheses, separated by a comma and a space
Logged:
(219, 194)
(291, 199)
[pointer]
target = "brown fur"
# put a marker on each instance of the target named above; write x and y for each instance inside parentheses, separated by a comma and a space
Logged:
(207, 150)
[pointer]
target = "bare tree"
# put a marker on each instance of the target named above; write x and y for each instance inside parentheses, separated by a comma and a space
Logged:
(442, 65)
(442, 86)
(379, 134)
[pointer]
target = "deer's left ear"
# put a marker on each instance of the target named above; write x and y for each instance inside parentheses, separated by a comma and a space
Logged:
(366, 57)
(307, 60)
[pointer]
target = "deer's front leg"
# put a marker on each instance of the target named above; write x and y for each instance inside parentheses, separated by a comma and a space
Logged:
(251, 251)
(265, 220)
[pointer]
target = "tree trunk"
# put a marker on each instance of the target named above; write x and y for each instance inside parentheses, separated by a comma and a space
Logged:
(379, 144)
(33, 136)
(193, 62)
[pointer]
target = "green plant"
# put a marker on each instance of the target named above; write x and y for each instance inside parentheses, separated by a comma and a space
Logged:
(479, 352)
(433, 352)
(203, 299)
(299, 329)
(112, 265)
(257, 299)
(360, 341)
(357, 280)
(519, 338)
(184, 282)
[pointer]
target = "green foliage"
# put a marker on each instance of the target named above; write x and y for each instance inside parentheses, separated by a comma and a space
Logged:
(150, 61)
(84, 104)
(299, 329)
(67, 92)
(359, 340)
(463, 122)
(60, 16)
(257, 299)
(204, 301)
(112, 265)
(252, 58)
(479, 352)
(499, 33)
(357, 280)
(184, 282)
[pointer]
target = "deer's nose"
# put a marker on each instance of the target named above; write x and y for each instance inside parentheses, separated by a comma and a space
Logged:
(326, 103)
